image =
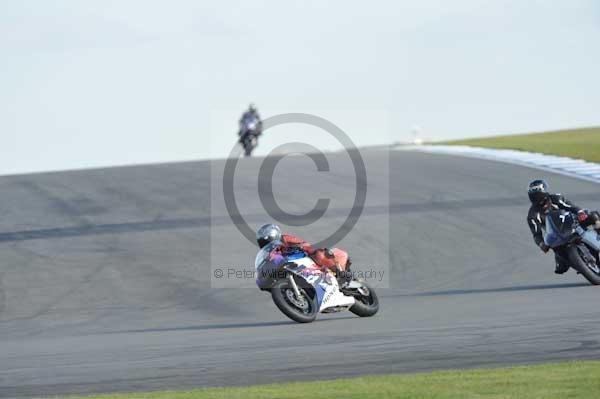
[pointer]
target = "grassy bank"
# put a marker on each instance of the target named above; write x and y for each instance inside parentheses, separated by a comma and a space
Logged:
(576, 143)
(560, 380)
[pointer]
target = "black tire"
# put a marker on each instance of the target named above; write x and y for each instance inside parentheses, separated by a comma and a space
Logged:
(578, 263)
(366, 306)
(249, 144)
(247, 148)
(279, 293)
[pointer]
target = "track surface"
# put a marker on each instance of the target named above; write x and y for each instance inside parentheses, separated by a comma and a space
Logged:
(105, 280)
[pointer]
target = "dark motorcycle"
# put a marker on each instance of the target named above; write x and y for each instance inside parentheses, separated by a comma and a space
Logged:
(250, 129)
(577, 243)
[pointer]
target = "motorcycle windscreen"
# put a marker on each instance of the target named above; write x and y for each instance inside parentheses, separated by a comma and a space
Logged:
(267, 264)
(553, 236)
(249, 122)
(268, 255)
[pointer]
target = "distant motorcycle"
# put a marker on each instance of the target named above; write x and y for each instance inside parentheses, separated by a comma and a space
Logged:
(250, 129)
(577, 243)
(301, 289)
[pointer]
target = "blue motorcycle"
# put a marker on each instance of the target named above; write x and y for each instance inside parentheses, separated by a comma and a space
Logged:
(577, 243)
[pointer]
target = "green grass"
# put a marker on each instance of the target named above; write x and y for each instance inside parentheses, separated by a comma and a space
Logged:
(575, 143)
(579, 379)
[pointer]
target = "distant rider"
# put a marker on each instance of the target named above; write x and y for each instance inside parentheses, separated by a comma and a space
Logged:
(335, 260)
(542, 202)
(249, 115)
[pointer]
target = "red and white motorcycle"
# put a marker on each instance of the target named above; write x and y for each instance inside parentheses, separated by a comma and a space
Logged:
(301, 289)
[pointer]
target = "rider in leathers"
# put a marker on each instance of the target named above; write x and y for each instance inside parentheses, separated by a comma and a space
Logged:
(335, 260)
(542, 201)
(250, 113)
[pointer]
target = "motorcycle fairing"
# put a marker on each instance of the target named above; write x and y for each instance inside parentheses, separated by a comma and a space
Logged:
(590, 237)
(333, 297)
(268, 261)
(249, 122)
(326, 287)
(559, 228)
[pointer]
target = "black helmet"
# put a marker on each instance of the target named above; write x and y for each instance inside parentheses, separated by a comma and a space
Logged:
(267, 233)
(538, 191)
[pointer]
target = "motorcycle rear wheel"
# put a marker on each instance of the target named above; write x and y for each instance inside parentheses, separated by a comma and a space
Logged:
(283, 296)
(578, 263)
(366, 306)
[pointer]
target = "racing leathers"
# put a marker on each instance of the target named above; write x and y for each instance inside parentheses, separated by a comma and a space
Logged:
(536, 219)
(335, 260)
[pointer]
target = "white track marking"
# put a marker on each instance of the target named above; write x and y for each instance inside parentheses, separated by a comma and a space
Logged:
(578, 168)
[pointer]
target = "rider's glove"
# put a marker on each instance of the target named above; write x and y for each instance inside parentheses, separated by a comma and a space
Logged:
(544, 247)
(582, 215)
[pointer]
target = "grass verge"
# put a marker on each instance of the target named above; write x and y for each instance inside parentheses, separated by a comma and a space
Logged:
(580, 379)
(575, 143)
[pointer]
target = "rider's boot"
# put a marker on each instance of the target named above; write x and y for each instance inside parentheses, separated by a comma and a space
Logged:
(561, 264)
(343, 276)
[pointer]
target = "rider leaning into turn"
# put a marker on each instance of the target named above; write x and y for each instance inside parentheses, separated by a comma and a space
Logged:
(335, 260)
(542, 202)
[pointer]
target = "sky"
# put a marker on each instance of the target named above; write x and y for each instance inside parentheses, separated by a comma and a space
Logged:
(100, 83)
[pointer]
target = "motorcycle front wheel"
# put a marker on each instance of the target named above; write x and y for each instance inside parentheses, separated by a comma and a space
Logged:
(301, 310)
(248, 147)
(588, 269)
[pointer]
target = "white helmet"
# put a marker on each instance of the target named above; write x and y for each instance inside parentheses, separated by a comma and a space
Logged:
(267, 233)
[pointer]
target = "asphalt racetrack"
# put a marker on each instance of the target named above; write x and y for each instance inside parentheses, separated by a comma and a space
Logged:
(105, 278)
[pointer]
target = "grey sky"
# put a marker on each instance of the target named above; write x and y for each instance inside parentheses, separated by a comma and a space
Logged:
(94, 83)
